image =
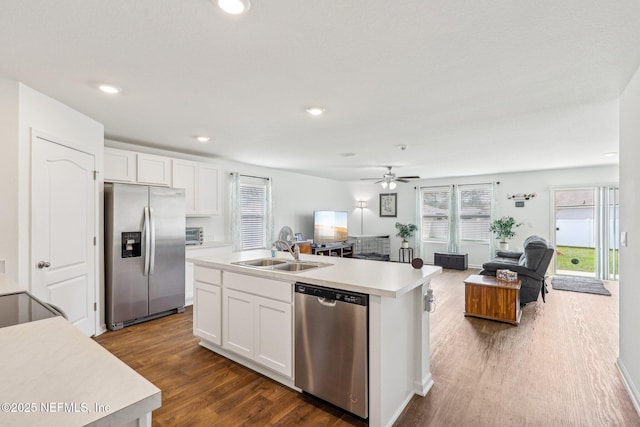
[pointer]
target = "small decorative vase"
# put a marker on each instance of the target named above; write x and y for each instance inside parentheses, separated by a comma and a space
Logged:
(503, 246)
(405, 244)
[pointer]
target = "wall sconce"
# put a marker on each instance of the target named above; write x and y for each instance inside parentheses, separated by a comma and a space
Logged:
(361, 204)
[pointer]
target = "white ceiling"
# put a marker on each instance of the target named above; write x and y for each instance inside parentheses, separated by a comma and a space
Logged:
(469, 87)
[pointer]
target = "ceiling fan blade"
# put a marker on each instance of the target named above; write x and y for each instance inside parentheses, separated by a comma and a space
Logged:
(401, 180)
(408, 177)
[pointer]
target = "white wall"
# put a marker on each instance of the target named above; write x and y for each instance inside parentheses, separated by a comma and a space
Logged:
(536, 215)
(21, 110)
(41, 113)
(9, 177)
(629, 360)
(295, 196)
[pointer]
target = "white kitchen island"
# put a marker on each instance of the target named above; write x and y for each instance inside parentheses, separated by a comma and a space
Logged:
(246, 314)
(53, 375)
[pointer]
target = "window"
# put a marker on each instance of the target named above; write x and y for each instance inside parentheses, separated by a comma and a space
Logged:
(435, 213)
(253, 215)
(474, 207)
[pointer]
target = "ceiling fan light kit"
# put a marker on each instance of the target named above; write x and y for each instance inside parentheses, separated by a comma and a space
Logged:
(390, 179)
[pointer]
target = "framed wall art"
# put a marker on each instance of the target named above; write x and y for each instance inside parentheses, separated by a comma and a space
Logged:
(389, 205)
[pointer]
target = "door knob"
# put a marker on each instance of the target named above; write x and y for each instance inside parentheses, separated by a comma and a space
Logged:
(43, 264)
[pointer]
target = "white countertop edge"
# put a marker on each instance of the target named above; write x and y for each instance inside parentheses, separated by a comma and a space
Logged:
(207, 245)
(308, 276)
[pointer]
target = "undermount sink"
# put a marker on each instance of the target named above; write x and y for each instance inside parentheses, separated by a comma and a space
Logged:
(281, 264)
(262, 262)
(296, 266)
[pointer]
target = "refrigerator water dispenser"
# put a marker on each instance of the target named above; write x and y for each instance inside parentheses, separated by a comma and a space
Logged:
(131, 244)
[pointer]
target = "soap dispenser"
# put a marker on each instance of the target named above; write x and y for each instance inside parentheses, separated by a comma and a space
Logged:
(274, 251)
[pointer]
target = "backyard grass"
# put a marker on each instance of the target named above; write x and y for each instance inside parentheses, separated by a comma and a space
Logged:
(585, 258)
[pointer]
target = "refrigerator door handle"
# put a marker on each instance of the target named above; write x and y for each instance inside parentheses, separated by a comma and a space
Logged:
(147, 240)
(152, 256)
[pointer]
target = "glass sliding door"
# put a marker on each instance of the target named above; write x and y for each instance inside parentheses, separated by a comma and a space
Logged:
(587, 232)
(575, 232)
(611, 237)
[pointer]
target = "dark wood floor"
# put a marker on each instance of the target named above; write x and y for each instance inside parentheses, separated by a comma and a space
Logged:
(556, 369)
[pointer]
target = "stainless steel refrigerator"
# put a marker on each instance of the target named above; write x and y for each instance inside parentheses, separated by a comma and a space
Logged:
(144, 253)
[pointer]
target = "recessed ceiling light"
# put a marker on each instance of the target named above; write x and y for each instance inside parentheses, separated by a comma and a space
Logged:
(234, 7)
(110, 89)
(315, 111)
(611, 154)
(203, 138)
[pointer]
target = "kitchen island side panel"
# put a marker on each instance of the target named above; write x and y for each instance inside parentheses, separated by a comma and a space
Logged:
(399, 354)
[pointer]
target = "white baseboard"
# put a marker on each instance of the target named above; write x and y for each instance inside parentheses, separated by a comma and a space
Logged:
(427, 383)
(628, 384)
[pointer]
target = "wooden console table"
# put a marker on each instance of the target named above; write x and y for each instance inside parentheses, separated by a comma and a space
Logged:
(488, 298)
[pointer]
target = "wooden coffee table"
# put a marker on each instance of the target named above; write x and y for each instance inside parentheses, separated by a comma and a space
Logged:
(488, 298)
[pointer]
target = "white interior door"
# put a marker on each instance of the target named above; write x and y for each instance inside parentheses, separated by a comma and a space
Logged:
(62, 230)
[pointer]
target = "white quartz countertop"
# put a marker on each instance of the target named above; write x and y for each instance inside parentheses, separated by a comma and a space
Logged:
(386, 279)
(209, 245)
(52, 374)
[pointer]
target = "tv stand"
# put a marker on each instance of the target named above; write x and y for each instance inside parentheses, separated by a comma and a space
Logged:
(335, 249)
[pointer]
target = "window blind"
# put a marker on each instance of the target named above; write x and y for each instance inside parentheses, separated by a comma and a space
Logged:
(435, 213)
(474, 206)
(253, 206)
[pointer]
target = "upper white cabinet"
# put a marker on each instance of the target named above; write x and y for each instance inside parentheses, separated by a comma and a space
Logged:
(153, 170)
(185, 175)
(136, 168)
(119, 165)
(208, 189)
(201, 183)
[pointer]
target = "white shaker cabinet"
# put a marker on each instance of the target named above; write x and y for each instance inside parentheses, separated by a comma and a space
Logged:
(201, 183)
(207, 307)
(237, 312)
(153, 170)
(273, 334)
(119, 165)
(185, 175)
(257, 320)
(208, 189)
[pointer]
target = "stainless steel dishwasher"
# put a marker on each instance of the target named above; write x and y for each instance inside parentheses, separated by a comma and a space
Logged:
(331, 347)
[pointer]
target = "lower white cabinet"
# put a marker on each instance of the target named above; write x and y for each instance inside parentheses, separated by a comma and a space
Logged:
(207, 305)
(238, 310)
(273, 333)
(259, 329)
(207, 312)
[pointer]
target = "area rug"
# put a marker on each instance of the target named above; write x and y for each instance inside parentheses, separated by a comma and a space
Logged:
(579, 284)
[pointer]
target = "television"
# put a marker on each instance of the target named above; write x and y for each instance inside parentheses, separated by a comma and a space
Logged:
(330, 227)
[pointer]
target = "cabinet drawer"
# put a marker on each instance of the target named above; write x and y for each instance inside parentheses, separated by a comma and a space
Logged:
(274, 289)
(207, 275)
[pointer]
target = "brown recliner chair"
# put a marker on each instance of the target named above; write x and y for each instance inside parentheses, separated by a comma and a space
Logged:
(531, 266)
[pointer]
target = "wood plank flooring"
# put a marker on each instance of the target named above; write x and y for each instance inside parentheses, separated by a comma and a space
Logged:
(557, 368)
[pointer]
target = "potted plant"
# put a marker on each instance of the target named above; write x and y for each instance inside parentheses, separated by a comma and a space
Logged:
(502, 228)
(405, 231)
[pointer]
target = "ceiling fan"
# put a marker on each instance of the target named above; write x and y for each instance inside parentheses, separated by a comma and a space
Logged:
(390, 179)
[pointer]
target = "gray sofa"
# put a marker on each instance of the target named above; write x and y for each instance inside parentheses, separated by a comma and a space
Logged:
(531, 266)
